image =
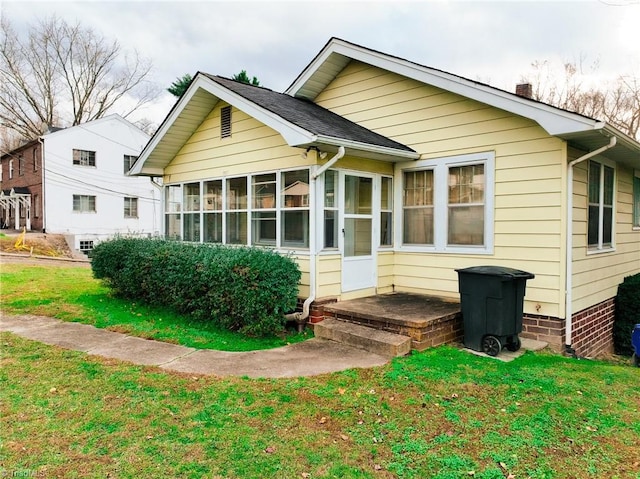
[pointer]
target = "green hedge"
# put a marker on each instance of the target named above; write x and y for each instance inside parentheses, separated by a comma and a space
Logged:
(241, 289)
(627, 314)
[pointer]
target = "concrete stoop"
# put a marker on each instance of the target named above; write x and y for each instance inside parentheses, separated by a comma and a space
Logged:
(373, 340)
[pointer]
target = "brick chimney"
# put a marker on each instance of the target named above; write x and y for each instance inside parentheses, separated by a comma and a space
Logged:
(524, 89)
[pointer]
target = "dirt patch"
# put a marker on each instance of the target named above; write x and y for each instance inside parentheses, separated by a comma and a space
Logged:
(40, 244)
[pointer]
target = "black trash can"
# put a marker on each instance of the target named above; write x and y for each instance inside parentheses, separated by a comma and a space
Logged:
(492, 300)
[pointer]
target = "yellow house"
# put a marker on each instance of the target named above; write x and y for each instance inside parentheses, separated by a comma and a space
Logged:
(379, 174)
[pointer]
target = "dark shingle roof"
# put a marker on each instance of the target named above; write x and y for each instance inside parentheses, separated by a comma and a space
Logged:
(307, 115)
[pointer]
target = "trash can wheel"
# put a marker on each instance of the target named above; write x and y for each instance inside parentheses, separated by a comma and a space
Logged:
(491, 345)
(514, 345)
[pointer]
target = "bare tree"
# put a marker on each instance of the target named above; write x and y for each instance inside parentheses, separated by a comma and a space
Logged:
(573, 87)
(62, 74)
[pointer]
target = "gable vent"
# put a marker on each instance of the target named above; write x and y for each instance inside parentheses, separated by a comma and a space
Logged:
(225, 122)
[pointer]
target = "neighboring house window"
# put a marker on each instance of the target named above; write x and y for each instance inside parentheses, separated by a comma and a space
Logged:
(35, 159)
(84, 157)
(225, 122)
(10, 169)
(21, 166)
(331, 209)
(386, 211)
(36, 206)
(84, 204)
(86, 246)
(130, 207)
(601, 197)
(418, 207)
(1, 168)
(129, 160)
(636, 198)
(447, 204)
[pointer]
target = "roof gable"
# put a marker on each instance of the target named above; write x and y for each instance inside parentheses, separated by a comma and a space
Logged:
(580, 131)
(300, 122)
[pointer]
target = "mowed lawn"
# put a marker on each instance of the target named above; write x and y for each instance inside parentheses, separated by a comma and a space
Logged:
(442, 413)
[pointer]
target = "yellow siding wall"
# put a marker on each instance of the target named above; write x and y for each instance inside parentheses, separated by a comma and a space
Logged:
(252, 147)
(596, 276)
(530, 173)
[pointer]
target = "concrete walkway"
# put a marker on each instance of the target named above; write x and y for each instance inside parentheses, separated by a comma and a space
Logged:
(309, 358)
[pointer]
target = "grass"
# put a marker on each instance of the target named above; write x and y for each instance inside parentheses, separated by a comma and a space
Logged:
(72, 294)
(440, 414)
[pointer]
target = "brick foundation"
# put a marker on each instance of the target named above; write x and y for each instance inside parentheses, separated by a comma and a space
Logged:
(544, 328)
(593, 329)
(316, 311)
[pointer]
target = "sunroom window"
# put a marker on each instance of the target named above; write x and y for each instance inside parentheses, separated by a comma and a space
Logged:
(294, 196)
(331, 209)
(236, 207)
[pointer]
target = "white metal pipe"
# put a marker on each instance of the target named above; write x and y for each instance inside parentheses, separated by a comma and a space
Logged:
(300, 317)
(569, 239)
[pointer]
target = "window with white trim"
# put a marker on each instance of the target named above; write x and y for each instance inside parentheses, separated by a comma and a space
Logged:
(10, 169)
(447, 204)
(386, 211)
(130, 207)
(84, 157)
(601, 206)
(265, 209)
(21, 165)
(84, 204)
(86, 246)
(636, 199)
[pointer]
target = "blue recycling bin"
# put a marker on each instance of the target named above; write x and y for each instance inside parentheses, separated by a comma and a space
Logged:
(635, 342)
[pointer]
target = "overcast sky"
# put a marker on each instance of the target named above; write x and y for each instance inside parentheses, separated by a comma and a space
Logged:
(494, 42)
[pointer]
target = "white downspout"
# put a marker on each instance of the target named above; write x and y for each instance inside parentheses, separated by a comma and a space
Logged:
(44, 196)
(300, 317)
(569, 246)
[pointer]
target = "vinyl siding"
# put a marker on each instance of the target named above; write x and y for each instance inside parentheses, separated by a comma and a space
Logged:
(596, 276)
(529, 178)
(252, 147)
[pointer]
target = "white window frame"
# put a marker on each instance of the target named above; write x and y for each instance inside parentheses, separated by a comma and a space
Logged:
(128, 202)
(85, 158)
(85, 211)
(249, 209)
(600, 247)
(440, 167)
(10, 169)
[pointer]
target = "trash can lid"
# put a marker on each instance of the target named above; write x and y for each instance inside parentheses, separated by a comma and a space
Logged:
(500, 271)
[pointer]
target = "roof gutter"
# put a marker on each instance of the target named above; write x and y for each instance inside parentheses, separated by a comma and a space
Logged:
(569, 239)
(300, 317)
(356, 145)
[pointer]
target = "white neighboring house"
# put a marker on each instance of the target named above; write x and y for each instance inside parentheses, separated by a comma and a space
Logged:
(87, 191)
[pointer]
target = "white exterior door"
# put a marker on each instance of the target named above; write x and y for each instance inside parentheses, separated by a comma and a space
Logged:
(357, 227)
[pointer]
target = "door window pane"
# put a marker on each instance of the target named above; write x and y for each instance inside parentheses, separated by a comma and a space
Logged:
(330, 229)
(357, 236)
(358, 193)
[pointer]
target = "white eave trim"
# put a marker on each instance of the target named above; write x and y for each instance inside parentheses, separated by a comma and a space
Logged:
(355, 145)
(555, 122)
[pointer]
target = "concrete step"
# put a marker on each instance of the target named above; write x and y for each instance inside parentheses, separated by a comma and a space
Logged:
(373, 340)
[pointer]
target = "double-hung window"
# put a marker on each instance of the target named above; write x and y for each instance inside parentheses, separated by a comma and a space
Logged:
(601, 204)
(84, 204)
(130, 207)
(129, 160)
(84, 157)
(447, 204)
